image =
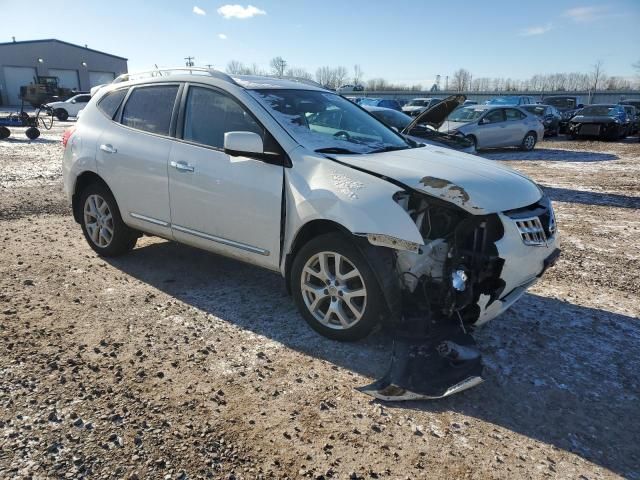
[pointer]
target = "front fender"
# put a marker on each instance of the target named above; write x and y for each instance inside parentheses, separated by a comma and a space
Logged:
(317, 188)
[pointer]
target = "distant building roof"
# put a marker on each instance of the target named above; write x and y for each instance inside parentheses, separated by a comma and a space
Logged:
(49, 40)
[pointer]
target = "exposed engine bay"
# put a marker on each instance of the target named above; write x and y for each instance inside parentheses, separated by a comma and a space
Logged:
(434, 353)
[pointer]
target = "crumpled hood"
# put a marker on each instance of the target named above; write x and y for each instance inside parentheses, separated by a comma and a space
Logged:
(592, 119)
(477, 185)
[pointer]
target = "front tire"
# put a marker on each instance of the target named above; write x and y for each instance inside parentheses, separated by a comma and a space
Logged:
(335, 288)
(529, 142)
(102, 224)
(61, 114)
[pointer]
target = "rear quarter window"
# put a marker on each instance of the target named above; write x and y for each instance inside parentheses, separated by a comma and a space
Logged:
(110, 103)
(150, 108)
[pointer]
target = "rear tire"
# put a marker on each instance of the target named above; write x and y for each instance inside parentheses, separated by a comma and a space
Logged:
(102, 224)
(61, 114)
(344, 303)
(529, 142)
(32, 133)
(4, 133)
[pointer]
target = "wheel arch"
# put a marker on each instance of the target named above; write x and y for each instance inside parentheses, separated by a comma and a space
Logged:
(82, 181)
(380, 259)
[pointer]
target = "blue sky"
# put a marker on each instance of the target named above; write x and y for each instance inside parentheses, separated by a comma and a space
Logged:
(402, 41)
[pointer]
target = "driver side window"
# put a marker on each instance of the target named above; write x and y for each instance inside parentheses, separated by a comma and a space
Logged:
(494, 116)
(209, 114)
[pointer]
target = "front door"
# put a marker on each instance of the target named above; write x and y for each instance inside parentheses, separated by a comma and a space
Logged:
(491, 129)
(227, 204)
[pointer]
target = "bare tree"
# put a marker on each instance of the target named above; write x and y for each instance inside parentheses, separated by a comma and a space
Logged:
(596, 76)
(298, 73)
(358, 74)
(234, 67)
(461, 80)
(278, 66)
(340, 75)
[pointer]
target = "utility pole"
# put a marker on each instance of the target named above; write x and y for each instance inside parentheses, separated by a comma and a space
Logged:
(189, 61)
(446, 83)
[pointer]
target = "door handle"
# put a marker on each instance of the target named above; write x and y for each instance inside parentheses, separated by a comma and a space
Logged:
(181, 166)
(108, 148)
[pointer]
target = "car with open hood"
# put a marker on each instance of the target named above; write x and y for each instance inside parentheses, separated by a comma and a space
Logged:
(364, 225)
(606, 121)
(424, 127)
(490, 126)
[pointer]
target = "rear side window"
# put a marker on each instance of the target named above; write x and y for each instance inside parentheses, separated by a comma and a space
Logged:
(210, 114)
(150, 108)
(83, 98)
(513, 114)
(110, 103)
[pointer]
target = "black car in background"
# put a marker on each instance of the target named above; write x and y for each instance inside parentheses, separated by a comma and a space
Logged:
(632, 119)
(567, 105)
(548, 115)
(607, 121)
(634, 102)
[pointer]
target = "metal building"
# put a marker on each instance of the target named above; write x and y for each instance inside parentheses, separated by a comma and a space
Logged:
(76, 67)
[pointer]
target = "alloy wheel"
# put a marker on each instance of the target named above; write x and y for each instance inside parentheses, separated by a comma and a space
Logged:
(98, 220)
(333, 290)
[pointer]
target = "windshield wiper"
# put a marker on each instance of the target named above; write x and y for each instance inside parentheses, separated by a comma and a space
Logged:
(334, 150)
(390, 148)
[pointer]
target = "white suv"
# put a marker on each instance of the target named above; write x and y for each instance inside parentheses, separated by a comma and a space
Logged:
(362, 223)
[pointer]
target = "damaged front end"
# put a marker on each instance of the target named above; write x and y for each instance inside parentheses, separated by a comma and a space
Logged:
(444, 283)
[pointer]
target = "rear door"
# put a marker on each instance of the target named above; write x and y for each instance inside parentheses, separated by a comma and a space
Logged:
(227, 204)
(515, 127)
(133, 154)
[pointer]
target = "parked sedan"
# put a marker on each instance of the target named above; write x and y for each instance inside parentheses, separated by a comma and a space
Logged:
(548, 115)
(381, 102)
(70, 107)
(511, 100)
(419, 105)
(568, 105)
(607, 121)
(424, 128)
(489, 126)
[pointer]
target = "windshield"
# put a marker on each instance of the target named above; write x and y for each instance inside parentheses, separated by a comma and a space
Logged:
(372, 102)
(561, 103)
(504, 101)
(418, 103)
(465, 114)
(327, 122)
(393, 118)
(535, 109)
(605, 110)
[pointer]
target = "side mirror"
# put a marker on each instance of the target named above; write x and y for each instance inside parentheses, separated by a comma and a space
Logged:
(483, 122)
(243, 144)
(73, 101)
(580, 105)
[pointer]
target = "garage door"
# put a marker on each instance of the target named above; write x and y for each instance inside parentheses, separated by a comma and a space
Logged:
(99, 78)
(66, 78)
(14, 78)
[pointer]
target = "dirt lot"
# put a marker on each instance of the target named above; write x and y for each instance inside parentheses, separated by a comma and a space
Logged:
(174, 363)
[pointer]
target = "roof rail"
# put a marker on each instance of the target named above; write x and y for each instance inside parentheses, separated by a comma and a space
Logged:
(306, 81)
(162, 72)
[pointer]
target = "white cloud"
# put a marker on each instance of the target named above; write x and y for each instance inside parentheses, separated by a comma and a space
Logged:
(536, 30)
(584, 14)
(222, 36)
(199, 11)
(238, 11)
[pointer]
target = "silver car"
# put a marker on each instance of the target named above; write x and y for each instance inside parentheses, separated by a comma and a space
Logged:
(489, 126)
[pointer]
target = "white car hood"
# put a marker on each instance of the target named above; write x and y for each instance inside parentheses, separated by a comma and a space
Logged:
(411, 108)
(477, 185)
(56, 104)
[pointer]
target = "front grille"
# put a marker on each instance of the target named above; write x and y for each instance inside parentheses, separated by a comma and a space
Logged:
(531, 231)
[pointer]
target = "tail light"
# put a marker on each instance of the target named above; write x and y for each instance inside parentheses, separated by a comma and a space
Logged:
(66, 135)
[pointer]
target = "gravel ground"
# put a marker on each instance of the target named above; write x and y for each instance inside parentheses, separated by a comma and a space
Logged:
(175, 363)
